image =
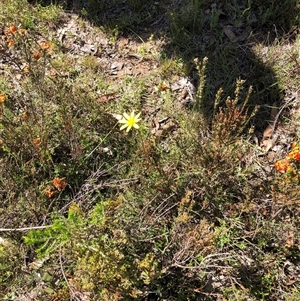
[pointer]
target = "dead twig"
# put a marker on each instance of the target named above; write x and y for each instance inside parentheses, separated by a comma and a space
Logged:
(24, 229)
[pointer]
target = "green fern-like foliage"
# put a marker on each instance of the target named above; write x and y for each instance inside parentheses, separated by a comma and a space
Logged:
(47, 240)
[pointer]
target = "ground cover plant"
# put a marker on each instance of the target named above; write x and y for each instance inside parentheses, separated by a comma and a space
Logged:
(149, 151)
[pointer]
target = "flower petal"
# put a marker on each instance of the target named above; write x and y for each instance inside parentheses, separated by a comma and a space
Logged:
(124, 126)
(126, 115)
(117, 116)
(123, 120)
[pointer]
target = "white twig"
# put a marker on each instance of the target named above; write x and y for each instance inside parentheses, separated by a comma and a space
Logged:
(24, 229)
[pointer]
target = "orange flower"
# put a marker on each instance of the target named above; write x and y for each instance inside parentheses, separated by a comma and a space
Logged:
(294, 154)
(36, 142)
(24, 117)
(36, 55)
(59, 183)
(297, 157)
(12, 28)
(163, 87)
(2, 97)
(282, 165)
(10, 42)
(49, 192)
(45, 45)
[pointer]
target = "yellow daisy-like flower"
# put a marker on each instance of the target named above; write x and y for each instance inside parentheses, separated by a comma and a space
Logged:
(129, 121)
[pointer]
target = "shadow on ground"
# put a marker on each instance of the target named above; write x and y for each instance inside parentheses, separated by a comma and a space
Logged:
(224, 32)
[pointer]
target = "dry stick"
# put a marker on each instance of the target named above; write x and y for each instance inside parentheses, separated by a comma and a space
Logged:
(269, 131)
(24, 229)
(278, 114)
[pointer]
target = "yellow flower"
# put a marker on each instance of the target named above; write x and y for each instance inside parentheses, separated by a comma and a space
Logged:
(2, 97)
(129, 121)
(26, 69)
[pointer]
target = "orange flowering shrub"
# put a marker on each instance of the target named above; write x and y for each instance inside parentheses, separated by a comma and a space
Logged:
(291, 163)
(12, 30)
(59, 183)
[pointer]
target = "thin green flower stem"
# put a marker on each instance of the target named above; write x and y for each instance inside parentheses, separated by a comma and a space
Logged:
(101, 141)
